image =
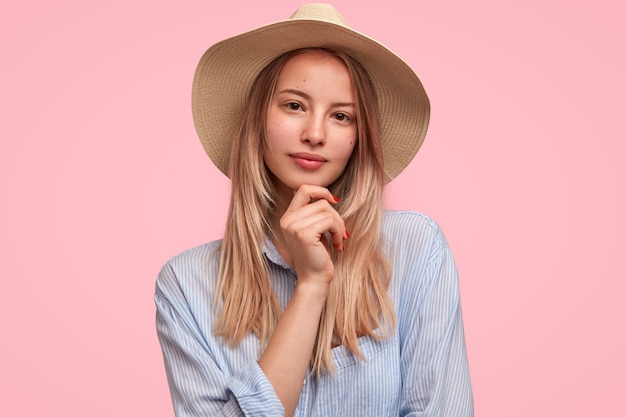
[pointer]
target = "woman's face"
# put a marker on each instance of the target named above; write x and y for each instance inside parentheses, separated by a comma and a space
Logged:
(311, 122)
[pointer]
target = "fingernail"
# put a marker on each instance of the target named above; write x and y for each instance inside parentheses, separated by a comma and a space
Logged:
(336, 198)
(347, 233)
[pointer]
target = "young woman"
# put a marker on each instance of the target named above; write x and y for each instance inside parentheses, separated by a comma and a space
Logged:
(317, 302)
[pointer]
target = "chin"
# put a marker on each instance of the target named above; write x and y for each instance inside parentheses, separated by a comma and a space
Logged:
(324, 184)
(293, 184)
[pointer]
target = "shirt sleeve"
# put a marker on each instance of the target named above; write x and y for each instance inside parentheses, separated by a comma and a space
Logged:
(198, 384)
(436, 380)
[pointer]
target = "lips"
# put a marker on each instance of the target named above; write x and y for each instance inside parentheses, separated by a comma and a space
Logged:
(307, 160)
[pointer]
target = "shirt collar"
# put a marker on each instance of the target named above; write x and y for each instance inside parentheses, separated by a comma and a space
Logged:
(272, 254)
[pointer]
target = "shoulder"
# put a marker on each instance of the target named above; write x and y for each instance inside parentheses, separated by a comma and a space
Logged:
(196, 256)
(420, 258)
(412, 230)
(414, 245)
(192, 270)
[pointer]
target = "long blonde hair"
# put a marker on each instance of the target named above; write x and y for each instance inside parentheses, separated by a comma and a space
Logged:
(357, 303)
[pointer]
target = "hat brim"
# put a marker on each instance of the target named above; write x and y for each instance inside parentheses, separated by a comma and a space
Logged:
(227, 70)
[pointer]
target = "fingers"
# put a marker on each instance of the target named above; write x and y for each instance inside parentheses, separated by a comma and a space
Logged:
(308, 193)
(310, 215)
(310, 223)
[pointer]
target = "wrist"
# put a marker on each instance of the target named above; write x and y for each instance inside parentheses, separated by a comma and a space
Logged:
(311, 291)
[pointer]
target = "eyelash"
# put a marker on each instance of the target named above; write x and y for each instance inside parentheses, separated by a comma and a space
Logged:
(297, 106)
(345, 118)
(291, 105)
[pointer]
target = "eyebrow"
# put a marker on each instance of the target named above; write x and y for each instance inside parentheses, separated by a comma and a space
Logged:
(308, 97)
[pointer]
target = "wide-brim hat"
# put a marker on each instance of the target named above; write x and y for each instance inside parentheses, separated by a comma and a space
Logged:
(227, 70)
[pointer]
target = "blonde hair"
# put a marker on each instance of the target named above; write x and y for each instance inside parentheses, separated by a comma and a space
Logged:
(357, 303)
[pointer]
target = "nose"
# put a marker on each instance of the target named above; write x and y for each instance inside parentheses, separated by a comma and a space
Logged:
(314, 132)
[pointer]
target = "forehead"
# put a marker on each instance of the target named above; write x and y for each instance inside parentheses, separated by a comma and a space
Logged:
(314, 62)
(315, 66)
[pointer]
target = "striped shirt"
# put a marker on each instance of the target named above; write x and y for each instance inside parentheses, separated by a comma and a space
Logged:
(421, 370)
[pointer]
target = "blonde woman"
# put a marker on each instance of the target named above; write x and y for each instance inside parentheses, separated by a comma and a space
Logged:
(317, 302)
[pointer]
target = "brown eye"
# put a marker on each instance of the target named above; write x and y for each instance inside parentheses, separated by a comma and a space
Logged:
(342, 117)
(294, 106)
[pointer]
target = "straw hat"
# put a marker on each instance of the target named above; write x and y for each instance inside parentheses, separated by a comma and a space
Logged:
(227, 70)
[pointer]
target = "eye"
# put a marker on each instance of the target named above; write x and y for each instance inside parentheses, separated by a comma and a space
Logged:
(294, 106)
(342, 117)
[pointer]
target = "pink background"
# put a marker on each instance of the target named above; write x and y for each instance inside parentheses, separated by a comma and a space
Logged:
(103, 179)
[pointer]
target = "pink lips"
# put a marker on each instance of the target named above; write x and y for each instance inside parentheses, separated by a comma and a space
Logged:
(307, 160)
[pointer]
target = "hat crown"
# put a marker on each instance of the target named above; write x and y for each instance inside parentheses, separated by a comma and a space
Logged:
(319, 11)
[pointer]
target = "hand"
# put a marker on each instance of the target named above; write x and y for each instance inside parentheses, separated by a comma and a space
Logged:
(304, 225)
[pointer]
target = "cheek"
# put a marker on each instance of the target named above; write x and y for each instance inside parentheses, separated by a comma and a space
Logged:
(349, 148)
(272, 123)
(279, 130)
(274, 133)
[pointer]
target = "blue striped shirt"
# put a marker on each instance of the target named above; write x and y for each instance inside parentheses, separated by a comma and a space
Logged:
(421, 370)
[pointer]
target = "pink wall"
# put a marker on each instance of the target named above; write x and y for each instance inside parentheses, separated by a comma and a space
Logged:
(103, 179)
